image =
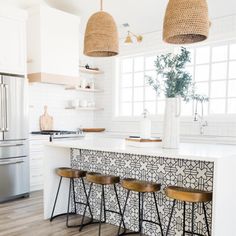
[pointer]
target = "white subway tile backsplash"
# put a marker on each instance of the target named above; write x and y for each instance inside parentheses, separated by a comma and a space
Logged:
(56, 98)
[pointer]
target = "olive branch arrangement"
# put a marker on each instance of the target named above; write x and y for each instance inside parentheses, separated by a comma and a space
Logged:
(172, 78)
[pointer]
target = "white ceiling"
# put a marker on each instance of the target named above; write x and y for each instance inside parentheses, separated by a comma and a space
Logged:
(142, 15)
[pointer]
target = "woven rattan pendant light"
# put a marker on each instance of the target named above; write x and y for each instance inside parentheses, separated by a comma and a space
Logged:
(186, 21)
(101, 35)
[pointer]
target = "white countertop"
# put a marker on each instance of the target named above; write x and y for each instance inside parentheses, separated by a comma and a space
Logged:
(192, 151)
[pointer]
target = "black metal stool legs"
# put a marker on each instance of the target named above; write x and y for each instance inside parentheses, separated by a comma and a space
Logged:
(118, 203)
(171, 214)
(192, 219)
(55, 202)
(85, 209)
(139, 211)
(68, 206)
(141, 215)
(192, 233)
(104, 204)
(103, 210)
(71, 189)
(87, 201)
(123, 213)
(158, 214)
(205, 215)
(184, 218)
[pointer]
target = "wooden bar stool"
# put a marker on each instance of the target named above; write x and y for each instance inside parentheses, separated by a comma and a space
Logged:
(103, 180)
(191, 196)
(72, 174)
(141, 187)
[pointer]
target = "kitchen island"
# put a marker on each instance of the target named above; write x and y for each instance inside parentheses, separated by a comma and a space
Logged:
(203, 166)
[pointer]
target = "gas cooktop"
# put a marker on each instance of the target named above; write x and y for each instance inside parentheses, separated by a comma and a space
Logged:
(60, 134)
(54, 132)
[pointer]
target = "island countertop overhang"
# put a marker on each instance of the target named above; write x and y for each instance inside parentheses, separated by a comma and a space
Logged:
(192, 151)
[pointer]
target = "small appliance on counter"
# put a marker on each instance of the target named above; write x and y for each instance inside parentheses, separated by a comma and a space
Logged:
(60, 134)
(145, 125)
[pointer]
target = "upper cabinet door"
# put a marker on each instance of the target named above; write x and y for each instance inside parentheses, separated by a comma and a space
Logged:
(52, 45)
(60, 42)
(12, 45)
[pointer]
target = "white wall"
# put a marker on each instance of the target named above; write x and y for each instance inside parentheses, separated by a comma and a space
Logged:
(221, 29)
(56, 97)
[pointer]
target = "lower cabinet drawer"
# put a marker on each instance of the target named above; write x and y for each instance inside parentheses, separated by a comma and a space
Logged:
(36, 176)
(36, 164)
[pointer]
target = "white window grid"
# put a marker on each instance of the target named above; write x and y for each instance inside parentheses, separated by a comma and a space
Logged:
(144, 86)
(159, 100)
(210, 80)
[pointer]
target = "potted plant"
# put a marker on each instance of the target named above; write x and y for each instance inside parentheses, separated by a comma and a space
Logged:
(175, 82)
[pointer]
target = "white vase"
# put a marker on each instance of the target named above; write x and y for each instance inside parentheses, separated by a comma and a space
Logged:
(171, 123)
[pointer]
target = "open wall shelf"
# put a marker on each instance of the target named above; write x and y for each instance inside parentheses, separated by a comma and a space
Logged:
(84, 90)
(89, 71)
(85, 108)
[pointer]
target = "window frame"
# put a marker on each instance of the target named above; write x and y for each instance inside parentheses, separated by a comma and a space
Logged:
(222, 118)
(118, 68)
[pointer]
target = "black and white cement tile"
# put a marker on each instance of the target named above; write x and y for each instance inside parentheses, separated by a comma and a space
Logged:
(167, 171)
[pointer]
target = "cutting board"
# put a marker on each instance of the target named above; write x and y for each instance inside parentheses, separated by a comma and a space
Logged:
(93, 129)
(144, 143)
(140, 140)
(46, 121)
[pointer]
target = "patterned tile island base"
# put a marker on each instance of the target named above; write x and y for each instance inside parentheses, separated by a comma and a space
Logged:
(167, 171)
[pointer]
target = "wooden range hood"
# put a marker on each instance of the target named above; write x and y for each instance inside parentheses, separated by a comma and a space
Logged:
(52, 78)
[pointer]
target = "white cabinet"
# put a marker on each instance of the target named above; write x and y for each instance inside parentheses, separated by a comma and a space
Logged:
(53, 45)
(13, 41)
(36, 154)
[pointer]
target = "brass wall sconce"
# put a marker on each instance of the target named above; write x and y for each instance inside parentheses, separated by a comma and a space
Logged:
(128, 39)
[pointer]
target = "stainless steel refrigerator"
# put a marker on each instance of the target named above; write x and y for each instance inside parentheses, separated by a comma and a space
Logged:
(14, 157)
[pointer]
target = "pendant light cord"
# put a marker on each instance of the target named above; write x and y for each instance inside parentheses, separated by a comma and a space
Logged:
(101, 5)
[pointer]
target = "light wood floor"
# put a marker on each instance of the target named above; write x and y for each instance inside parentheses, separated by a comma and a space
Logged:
(24, 217)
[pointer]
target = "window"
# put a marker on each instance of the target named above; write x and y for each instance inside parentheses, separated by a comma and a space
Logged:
(134, 92)
(213, 69)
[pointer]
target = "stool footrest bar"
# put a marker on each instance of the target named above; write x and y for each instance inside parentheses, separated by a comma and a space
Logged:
(129, 233)
(63, 214)
(115, 212)
(81, 203)
(189, 232)
(152, 222)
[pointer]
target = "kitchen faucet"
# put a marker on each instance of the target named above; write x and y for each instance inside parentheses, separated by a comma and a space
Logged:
(200, 118)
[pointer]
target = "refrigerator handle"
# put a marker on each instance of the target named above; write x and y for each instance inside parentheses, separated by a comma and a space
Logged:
(6, 128)
(1, 108)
